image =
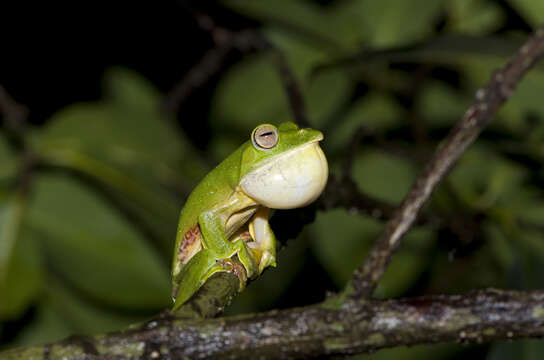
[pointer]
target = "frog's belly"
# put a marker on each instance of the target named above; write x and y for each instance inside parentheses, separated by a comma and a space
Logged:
(292, 180)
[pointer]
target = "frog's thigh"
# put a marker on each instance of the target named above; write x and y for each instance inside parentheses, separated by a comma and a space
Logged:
(193, 275)
(212, 226)
(265, 241)
(214, 221)
(215, 239)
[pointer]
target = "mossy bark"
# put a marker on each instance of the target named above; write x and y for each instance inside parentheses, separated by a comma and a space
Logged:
(334, 327)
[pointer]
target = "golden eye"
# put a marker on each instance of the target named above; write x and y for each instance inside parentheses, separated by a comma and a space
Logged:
(265, 137)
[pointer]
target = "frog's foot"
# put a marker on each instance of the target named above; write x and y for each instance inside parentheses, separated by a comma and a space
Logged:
(263, 245)
(247, 257)
(266, 258)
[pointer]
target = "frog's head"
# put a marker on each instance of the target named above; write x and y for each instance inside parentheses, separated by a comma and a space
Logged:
(283, 167)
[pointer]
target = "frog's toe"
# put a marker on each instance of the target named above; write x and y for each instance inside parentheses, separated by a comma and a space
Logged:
(234, 267)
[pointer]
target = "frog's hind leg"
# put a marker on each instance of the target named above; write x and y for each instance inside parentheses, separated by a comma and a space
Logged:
(193, 275)
(199, 269)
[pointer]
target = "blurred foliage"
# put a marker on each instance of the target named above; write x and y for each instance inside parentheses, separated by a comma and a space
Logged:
(87, 248)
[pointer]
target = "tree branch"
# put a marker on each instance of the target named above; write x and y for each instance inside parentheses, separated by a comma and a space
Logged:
(476, 118)
(244, 41)
(14, 116)
(331, 328)
(292, 89)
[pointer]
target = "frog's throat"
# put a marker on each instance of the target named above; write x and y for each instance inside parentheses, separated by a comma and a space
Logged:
(290, 180)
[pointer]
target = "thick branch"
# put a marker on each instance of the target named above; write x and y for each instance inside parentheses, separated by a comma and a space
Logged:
(331, 328)
(476, 118)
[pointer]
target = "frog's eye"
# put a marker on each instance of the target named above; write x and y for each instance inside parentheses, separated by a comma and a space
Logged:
(265, 137)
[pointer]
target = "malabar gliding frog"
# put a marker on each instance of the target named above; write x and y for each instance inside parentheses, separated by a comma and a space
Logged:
(226, 215)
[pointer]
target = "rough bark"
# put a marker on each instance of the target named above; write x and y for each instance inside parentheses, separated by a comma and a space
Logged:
(334, 327)
(488, 100)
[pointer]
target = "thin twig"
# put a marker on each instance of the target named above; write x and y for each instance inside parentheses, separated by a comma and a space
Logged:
(327, 329)
(292, 89)
(15, 119)
(476, 118)
(14, 116)
(343, 191)
(244, 41)
(197, 77)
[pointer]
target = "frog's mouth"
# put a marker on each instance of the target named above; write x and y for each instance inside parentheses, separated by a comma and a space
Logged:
(293, 179)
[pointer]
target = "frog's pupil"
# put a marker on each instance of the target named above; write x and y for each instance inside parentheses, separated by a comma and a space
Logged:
(267, 134)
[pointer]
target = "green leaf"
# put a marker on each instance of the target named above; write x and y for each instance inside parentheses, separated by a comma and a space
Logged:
(391, 22)
(62, 313)
(501, 246)
(383, 176)
(446, 49)
(525, 100)
(252, 92)
(126, 128)
(11, 216)
(127, 146)
(325, 94)
(474, 16)
(484, 180)
(407, 265)
(532, 11)
(8, 163)
(20, 260)
(435, 352)
(94, 248)
(47, 326)
(524, 349)
(341, 242)
(153, 205)
(441, 105)
(304, 18)
(531, 245)
(376, 112)
(348, 24)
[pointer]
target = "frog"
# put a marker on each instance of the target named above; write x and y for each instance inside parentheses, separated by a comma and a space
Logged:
(224, 224)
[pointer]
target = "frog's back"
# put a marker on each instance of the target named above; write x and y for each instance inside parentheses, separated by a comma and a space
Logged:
(217, 186)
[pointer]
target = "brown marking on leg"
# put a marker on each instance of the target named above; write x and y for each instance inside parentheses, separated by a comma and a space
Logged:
(190, 245)
(175, 292)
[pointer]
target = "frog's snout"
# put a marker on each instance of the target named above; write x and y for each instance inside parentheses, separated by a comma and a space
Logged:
(310, 135)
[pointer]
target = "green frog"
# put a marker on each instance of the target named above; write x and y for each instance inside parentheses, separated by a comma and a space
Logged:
(226, 215)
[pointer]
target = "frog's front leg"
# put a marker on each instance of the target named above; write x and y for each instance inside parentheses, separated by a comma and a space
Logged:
(219, 223)
(264, 244)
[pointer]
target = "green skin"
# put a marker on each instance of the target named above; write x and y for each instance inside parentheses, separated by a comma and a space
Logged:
(225, 216)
